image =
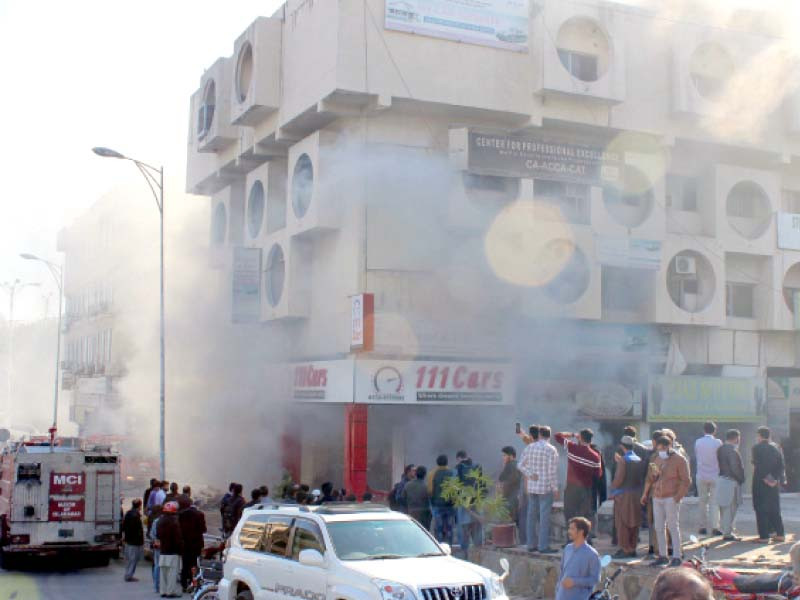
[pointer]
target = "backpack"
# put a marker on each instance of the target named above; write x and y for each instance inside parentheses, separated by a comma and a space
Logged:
(395, 497)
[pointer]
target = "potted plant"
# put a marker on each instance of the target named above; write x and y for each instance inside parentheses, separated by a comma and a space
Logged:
(490, 510)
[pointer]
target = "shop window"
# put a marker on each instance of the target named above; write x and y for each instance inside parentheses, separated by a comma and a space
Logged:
(487, 188)
(748, 209)
(740, 300)
(581, 66)
(572, 199)
(690, 281)
(681, 192)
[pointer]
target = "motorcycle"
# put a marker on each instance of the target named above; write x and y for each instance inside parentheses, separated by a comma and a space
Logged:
(206, 576)
(604, 593)
(736, 586)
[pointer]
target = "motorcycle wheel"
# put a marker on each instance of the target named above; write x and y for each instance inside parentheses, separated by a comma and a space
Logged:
(207, 592)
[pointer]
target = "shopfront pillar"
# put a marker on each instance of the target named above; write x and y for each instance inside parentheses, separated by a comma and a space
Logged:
(355, 448)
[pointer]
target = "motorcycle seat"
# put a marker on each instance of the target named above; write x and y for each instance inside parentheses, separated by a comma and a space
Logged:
(763, 584)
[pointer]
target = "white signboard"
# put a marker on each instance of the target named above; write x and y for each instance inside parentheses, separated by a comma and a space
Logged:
(324, 381)
(498, 23)
(789, 231)
(246, 306)
(93, 386)
(628, 253)
(432, 382)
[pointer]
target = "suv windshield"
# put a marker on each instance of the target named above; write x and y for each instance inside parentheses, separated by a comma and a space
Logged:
(376, 539)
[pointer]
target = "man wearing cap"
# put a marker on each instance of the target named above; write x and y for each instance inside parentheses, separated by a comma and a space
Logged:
(626, 490)
(171, 542)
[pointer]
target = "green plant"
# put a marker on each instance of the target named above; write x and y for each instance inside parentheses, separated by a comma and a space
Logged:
(284, 486)
(475, 497)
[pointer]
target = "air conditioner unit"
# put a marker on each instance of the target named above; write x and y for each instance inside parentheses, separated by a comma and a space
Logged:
(286, 278)
(211, 122)
(685, 265)
(255, 85)
(313, 204)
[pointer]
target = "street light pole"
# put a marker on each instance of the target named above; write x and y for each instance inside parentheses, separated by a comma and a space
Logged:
(12, 287)
(58, 274)
(154, 176)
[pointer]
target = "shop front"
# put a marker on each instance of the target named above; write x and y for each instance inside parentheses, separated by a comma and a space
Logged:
(783, 418)
(684, 402)
(359, 421)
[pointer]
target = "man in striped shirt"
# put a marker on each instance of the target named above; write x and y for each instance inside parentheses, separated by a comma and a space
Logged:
(539, 464)
(583, 466)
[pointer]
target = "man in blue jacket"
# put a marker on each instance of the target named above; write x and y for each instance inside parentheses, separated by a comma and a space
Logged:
(580, 564)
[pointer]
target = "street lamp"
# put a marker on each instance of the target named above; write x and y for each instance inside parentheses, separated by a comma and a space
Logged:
(57, 271)
(155, 179)
(12, 287)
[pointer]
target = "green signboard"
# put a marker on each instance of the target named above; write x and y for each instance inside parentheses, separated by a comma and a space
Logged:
(695, 398)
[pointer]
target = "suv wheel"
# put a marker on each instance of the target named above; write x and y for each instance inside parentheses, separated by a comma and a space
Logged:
(244, 595)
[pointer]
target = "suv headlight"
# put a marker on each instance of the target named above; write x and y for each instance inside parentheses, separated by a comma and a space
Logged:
(389, 590)
(497, 587)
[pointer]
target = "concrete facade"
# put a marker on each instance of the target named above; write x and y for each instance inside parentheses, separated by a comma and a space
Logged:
(349, 154)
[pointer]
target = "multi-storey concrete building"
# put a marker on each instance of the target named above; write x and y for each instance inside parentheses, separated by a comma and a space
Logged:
(565, 211)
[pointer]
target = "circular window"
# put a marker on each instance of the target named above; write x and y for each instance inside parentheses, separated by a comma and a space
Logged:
(488, 188)
(255, 209)
(205, 115)
(571, 277)
(748, 209)
(791, 286)
(691, 281)
(710, 68)
(631, 201)
(302, 185)
(275, 275)
(584, 49)
(219, 222)
(244, 71)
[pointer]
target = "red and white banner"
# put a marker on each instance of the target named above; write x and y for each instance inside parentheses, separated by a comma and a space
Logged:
(67, 483)
(67, 510)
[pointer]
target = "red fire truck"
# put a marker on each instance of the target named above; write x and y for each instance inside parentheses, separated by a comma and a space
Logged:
(58, 496)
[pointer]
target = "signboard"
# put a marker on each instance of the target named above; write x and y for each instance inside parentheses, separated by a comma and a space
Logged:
(362, 322)
(324, 381)
(598, 400)
(694, 398)
(97, 386)
(628, 253)
(431, 382)
(789, 231)
(66, 510)
(517, 156)
(498, 23)
(67, 483)
(246, 273)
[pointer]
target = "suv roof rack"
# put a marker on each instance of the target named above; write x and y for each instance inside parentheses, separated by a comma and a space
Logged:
(339, 508)
(276, 506)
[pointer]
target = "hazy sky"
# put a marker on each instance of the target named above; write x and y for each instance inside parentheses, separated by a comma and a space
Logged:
(91, 73)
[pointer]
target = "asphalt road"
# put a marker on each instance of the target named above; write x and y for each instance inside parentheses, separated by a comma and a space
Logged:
(52, 581)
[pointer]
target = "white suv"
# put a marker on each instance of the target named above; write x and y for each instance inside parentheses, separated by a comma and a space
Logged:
(346, 552)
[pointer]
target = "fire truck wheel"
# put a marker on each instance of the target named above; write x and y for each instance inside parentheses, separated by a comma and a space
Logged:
(244, 595)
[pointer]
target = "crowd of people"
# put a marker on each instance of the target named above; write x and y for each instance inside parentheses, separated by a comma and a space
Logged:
(173, 527)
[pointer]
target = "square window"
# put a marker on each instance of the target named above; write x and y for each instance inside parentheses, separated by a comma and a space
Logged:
(740, 300)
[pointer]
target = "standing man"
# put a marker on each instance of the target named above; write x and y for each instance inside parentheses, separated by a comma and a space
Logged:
(193, 526)
(416, 499)
(580, 564)
(395, 497)
(768, 475)
(539, 463)
(639, 448)
(528, 438)
(154, 484)
(510, 479)
(171, 548)
(443, 514)
(133, 536)
(265, 499)
(729, 484)
(651, 529)
(469, 529)
(232, 510)
(626, 490)
(583, 466)
(155, 498)
(705, 451)
(668, 482)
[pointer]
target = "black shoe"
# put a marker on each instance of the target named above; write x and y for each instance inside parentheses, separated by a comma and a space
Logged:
(620, 554)
(661, 561)
(548, 551)
(716, 532)
(703, 531)
(631, 554)
(731, 538)
(532, 550)
(675, 562)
